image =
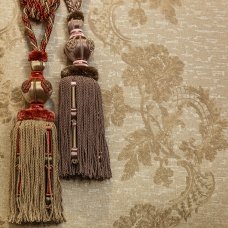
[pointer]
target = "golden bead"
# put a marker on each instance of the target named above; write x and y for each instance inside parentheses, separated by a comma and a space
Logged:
(37, 65)
(36, 91)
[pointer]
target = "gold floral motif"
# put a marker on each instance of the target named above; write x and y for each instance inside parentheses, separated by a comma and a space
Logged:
(146, 215)
(102, 23)
(115, 109)
(199, 188)
(162, 176)
(1, 222)
(137, 16)
(167, 8)
(102, 20)
(10, 35)
(158, 78)
(154, 73)
(10, 97)
(158, 72)
(137, 150)
(211, 127)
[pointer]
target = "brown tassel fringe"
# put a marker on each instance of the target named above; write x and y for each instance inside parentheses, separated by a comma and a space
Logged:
(93, 154)
(28, 177)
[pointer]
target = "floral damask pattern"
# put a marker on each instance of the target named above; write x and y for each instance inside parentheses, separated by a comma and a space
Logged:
(10, 96)
(10, 34)
(158, 78)
(137, 14)
(165, 108)
(1, 222)
(157, 74)
(154, 73)
(199, 188)
(10, 99)
(146, 215)
(167, 7)
(177, 129)
(102, 20)
(162, 176)
(102, 23)
(115, 109)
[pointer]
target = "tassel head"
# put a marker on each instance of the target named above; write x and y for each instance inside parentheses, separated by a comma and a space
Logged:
(35, 187)
(36, 89)
(78, 47)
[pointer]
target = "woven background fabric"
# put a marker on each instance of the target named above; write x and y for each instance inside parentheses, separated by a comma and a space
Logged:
(164, 79)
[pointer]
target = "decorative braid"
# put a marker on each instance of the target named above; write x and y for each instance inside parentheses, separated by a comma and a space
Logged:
(48, 31)
(29, 30)
(41, 11)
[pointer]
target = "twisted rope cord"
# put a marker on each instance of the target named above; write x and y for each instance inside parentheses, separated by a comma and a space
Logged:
(73, 5)
(42, 11)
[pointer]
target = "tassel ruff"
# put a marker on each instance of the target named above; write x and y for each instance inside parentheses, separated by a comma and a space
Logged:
(30, 181)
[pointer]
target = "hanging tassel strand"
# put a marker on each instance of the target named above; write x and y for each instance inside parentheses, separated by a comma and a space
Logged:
(28, 200)
(83, 148)
(35, 190)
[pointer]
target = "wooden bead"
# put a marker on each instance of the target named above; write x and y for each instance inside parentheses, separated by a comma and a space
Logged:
(79, 48)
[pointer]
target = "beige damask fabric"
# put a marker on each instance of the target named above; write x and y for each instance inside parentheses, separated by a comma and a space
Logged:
(163, 73)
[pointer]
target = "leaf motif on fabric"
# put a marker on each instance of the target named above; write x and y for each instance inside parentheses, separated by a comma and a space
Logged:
(115, 108)
(164, 107)
(167, 8)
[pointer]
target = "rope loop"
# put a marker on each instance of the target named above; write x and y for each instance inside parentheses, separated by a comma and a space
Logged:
(41, 11)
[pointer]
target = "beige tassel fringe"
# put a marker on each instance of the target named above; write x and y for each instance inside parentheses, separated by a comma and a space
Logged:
(27, 193)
